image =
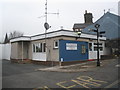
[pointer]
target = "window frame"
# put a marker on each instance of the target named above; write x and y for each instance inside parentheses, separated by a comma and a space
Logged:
(54, 46)
(44, 47)
(83, 49)
(39, 47)
(90, 47)
(34, 48)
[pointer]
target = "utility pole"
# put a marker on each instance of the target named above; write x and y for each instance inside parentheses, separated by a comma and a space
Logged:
(46, 25)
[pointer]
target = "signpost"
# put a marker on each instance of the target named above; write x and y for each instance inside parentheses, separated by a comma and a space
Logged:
(71, 46)
(97, 26)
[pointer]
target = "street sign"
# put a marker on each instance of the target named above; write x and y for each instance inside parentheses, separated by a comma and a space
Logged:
(71, 46)
(102, 32)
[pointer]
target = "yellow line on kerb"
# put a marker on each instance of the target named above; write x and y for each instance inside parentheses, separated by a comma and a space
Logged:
(109, 86)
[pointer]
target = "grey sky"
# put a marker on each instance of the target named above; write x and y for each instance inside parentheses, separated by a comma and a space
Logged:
(22, 15)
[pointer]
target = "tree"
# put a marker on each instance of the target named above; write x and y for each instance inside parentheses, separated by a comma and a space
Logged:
(15, 34)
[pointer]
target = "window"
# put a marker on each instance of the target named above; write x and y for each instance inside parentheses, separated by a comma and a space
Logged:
(44, 47)
(39, 47)
(90, 46)
(100, 46)
(95, 48)
(83, 49)
(34, 48)
(56, 44)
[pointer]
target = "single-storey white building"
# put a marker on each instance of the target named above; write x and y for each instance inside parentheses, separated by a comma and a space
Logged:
(57, 46)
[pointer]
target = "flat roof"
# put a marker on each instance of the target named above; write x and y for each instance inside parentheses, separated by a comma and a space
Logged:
(57, 33)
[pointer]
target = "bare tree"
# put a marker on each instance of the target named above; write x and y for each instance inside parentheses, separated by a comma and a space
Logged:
(15, 34)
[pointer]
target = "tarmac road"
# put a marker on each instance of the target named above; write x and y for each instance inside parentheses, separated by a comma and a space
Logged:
(25, 76)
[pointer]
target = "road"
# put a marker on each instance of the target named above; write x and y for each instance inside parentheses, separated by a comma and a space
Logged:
(25, 76)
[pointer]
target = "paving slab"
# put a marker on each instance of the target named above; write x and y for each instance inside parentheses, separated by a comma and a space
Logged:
(87, 66)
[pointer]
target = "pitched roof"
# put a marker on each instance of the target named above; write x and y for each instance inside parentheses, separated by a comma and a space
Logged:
(80, 25)
(109, 23)
(6, 39)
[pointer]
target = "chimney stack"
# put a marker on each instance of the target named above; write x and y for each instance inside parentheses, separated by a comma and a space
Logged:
(88, 17)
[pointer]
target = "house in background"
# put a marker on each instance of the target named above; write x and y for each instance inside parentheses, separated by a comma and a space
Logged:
(5, 49)
(110, 23)
(59, 46)
(88, 20)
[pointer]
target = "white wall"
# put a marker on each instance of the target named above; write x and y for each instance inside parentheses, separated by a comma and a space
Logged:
(39, 56)
(93, 54)
(0, 51)
(5, 51)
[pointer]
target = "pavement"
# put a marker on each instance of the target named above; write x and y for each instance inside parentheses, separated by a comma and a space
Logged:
(86, 66)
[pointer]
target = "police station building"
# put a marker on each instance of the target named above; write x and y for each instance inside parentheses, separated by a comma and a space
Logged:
(58, 46)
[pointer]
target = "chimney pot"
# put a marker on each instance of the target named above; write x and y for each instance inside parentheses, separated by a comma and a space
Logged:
(88, 17)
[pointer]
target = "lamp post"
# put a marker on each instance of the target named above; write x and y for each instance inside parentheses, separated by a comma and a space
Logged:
(98, 34)
(78, 33)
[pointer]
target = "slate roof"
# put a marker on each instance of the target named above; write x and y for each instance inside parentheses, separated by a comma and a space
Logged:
(110, 23)
(80, 25)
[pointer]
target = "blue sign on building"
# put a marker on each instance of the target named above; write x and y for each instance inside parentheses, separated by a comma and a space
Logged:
(73, 50)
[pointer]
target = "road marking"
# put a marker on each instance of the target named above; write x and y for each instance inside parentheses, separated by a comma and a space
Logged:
(84, 81)
(42, 88)
(81, 83)
(60, 84)
(109, 86)
(89, 79)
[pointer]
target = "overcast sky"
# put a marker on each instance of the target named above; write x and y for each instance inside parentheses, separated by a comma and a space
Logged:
(23, 15)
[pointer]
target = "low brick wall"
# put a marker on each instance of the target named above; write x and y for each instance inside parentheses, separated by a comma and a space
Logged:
(20, 61)
(72, 62)
(48, 63)
(54, 63)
